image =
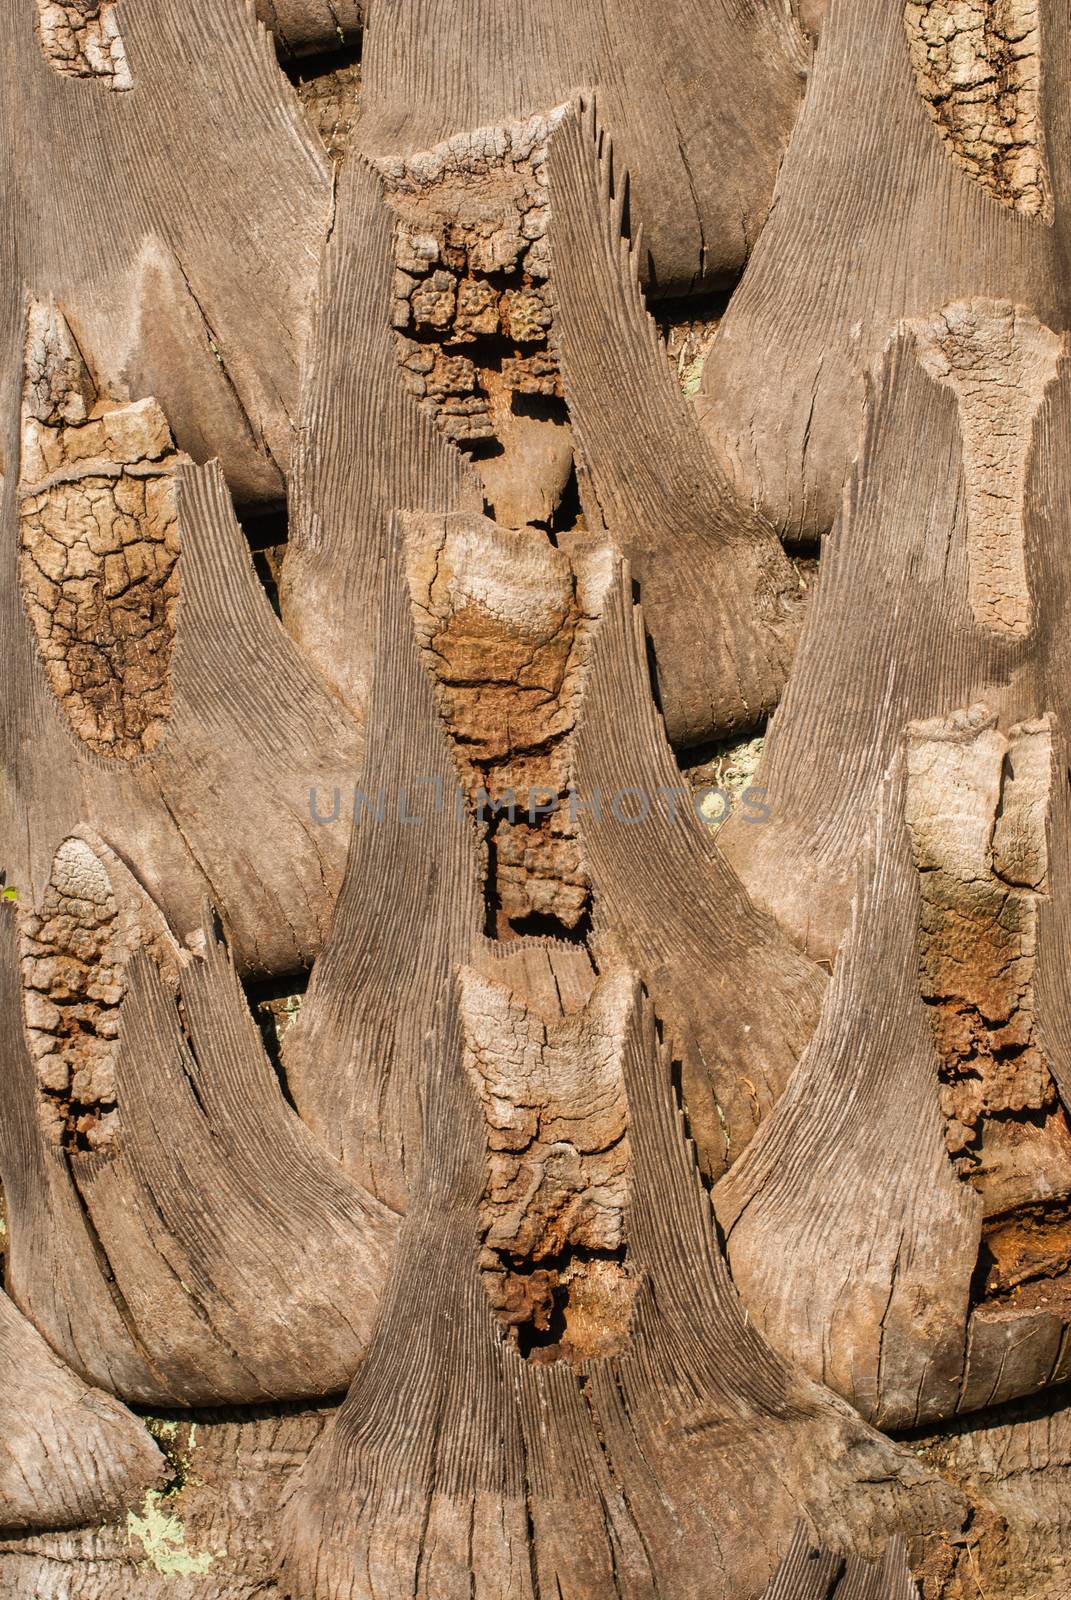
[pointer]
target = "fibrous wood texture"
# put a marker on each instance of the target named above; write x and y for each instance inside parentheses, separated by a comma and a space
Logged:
(71, 1454)
(701, 557)
(538, 1466)
(180, 239)
(662, 76)
(139, 1100)
(943, 195)
(153, 694)
(510, 1175)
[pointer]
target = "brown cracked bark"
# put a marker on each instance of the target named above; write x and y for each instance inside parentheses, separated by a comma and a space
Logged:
(548, 1007)
(137, 632)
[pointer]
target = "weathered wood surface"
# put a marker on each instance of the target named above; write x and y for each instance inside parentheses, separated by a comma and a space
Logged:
(152, 693)
(184, 219)
(409, 910)
(114, 1154)
(893, 201)
(913, 563)
(471, 395)
(707, 566)
(667, 904)
(71, 1454)
(516, 1465)
(1014, 1463)
(809, 1572)
(367, 448)
(210, 1533)
(520, 568)
(606, 848)
(207, 1534)
(664, 82)
(933, 1144)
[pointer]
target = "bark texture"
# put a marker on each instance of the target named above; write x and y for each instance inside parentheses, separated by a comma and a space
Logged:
(535, 843)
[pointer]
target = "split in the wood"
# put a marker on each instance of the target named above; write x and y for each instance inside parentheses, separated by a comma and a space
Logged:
(688, 329)
(81, 39)
(721, 776)
(99, 561)
(276, 1005)
(267, 534)
(978, 68)
(329, 88)
(811, 1572)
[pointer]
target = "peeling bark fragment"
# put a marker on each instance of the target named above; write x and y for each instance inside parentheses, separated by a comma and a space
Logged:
(81, 39)
(999, 362)
(553, 1214)
(1023, 1252)
(1006, 1131)
(976, 811)
(98, 561)
(472, 308)
(977, 67)
(504, 621)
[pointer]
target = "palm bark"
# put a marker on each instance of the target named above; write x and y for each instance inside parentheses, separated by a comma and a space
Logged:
(636, 1207)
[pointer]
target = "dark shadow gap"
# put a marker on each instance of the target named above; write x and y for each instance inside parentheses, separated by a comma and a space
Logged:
(329, 88)
(1030, 1408)
(688, 327)
(266, 532)
(275, 1004)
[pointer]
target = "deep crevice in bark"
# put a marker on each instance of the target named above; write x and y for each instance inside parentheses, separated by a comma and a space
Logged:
(266, 529)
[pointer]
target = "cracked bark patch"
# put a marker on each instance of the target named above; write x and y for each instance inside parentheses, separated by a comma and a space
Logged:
(81, 39)
(72, 972)
(1025, 1252)
(977, 66)
(98, 563)
(553, 1255)
(998, 361)
(976, 811)
(472, 309)
(505, 623)
(75, 946)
